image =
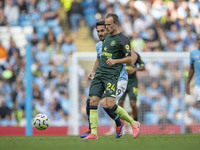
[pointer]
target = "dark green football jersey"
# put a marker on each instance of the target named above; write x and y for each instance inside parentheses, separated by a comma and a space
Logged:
(114, 47)
(139, 62)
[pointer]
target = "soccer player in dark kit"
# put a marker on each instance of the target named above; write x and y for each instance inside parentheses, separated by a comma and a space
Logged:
(115, 52)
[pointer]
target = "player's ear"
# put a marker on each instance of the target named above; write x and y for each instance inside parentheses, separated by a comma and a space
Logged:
(116, 23)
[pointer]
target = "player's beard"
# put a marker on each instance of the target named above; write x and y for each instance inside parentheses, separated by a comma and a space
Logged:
(101, 38)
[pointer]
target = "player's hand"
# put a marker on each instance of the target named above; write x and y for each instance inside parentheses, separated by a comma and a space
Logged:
(134, 69)
(131, 70)
(110, 62)
(91, 76)
(132, 65)
(188, 89)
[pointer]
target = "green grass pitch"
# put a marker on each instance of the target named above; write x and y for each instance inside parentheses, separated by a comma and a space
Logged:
(143, 142)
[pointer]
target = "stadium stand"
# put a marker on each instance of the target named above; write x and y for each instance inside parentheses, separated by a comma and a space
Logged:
(153, 26)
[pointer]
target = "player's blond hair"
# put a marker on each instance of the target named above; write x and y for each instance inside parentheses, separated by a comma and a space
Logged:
(114, 16)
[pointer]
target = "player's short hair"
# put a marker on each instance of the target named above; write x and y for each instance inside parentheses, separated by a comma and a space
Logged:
(114, 16)
(100, 23)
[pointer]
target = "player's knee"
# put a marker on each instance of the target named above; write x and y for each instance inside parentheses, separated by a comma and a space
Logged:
(93, 101)
(110, 102)
(105, 105)
(110, 105)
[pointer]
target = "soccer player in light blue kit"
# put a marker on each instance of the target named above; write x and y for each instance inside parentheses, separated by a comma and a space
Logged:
(121, 85)
(194, 68)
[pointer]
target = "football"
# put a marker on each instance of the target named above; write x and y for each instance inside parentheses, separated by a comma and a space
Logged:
(41, 121)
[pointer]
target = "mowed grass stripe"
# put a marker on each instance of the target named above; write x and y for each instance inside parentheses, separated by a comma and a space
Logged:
(144, 142)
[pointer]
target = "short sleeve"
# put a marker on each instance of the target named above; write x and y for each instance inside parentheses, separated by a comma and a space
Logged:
(99, 49)
(139, 60)
(125, 45)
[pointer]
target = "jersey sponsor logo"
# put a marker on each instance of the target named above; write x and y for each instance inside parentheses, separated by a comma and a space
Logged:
(108, 55)
(112, 43)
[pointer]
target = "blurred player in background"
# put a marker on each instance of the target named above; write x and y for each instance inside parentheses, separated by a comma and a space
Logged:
(122, 83)
(194, 68)
(115, 52)
(132, 87)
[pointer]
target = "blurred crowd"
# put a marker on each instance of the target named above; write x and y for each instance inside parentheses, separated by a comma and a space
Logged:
(156, 25)
(51, 50)
(153, 26)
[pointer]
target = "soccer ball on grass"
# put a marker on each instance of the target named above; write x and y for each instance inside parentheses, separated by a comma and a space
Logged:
(41, 121)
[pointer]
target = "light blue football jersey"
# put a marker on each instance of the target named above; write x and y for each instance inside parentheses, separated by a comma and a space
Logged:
(195, 60)
(99, 48)
(123, 73)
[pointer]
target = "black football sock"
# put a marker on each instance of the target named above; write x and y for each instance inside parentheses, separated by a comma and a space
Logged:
(113, 115)
(88, 111)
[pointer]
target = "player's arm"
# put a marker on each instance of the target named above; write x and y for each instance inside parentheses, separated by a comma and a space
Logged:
(141, 63)
(125, 47)
(134, 58)
(132, 69)
(141, 67)
(96, 64)
(191, 73)
(111, 62)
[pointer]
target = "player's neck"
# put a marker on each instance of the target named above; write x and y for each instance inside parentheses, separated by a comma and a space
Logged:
(115, 32)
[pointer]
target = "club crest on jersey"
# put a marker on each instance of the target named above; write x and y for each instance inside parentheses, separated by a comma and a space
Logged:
(105, 48)
(112, 43)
